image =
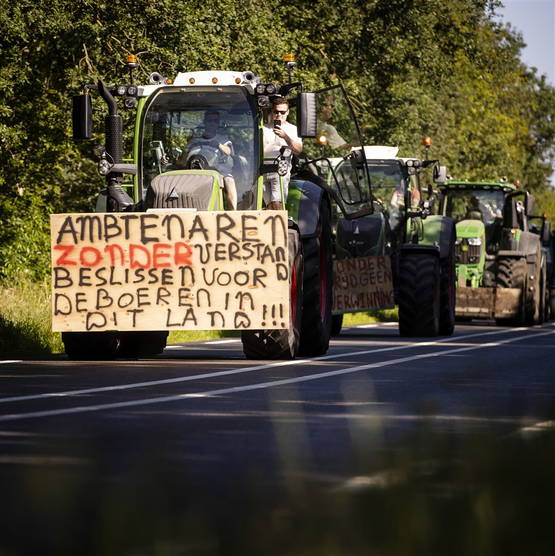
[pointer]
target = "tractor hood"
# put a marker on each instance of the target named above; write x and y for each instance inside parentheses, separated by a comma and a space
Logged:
(470, 228)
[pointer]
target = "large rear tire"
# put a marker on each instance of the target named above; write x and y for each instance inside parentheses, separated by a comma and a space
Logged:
(511, 273)
(336, 325)
(447, 293)
(142, 343)
(93, 346)
(317, 288)
(283, 343)
(419, 294)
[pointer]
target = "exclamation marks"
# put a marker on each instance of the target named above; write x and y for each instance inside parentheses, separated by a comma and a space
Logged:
(275, 312)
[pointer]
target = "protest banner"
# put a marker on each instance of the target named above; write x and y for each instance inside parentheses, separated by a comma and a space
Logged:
(362, 284)
(169, 269)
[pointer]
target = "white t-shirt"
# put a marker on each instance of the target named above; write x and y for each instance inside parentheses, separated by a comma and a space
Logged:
(224, 162)
(272, 146)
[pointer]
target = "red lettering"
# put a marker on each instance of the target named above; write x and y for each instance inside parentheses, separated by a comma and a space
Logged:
(134, 251)
(159, 253)
(95, 253)
(182, 254)
(110, 249)
(66, 250)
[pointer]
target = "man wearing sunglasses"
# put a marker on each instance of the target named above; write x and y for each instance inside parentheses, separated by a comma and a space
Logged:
(278, 133)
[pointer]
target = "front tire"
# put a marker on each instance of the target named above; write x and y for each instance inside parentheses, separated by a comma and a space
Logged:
(447, 293)
(317, 288)
(511, 273)
(419, 294)
(142, 343)
(282, 343)
(92, 346)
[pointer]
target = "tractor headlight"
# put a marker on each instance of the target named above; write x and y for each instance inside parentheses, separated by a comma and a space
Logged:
(104, 167)
(474, 241)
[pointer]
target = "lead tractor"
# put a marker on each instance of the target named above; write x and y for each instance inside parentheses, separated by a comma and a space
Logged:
(168, 168)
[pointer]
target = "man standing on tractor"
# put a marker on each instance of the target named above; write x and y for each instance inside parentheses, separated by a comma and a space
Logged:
(279, 133)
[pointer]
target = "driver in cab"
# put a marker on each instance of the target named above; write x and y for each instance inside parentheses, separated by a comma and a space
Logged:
(212, 150)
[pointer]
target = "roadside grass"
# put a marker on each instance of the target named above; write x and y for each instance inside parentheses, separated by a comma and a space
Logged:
(26, 322)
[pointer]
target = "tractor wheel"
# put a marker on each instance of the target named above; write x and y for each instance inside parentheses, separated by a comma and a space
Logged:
(534, 296)
(336, 325)
(283, 343)
(552, 303)
(93, 346)
(511, 273)
(419, 294)
(142, 343)
(544, 295)
(317, 289)
(447, 294)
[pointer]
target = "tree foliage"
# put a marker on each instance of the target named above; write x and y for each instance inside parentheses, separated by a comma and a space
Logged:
(412, 67)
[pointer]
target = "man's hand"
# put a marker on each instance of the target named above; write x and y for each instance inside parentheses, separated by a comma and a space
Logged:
(274, 205)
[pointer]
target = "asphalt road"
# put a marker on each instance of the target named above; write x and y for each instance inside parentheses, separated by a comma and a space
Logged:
(202, 415)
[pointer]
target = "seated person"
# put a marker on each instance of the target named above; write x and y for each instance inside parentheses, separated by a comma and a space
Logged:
(212, 150)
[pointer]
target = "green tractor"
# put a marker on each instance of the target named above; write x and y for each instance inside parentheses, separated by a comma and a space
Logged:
(168, 170)
(403, 229)
(501, 265)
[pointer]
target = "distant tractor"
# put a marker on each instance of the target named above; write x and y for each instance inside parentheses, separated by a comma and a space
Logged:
(501, 265)
(402, 228)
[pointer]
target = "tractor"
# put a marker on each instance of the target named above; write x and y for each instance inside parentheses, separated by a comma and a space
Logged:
(394, 219)
(169, 169)
(501, 264)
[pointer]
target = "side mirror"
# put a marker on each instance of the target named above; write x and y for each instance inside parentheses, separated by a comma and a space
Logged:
(82, 118)
(357, 159)
(440, 174)
(306, 115)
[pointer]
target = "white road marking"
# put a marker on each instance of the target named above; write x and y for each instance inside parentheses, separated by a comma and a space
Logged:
(215, 342)
(260, 385)
(241, 370)
(11, 361)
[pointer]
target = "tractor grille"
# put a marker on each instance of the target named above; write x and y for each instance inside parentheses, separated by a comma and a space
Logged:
(467, 254)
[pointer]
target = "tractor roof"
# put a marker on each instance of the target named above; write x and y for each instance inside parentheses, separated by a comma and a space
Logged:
(468, 184)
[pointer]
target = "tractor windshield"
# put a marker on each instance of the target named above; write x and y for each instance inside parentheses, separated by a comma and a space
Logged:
(201, 128)
(473, 204)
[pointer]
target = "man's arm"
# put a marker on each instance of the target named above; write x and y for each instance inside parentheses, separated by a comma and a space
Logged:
(292, 140)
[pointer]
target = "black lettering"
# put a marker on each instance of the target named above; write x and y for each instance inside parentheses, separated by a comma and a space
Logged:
(207, 296)
(142, 293)
(213, 315)
(139, 275)
(126, 220)
(61, 302)
(168, 319)
(80, 298)
(234, 252)
(67, 228)
(167, 221)
(113, 281)
(89, 324)
(125, 299)
(145, 227)
(241, 278)
(248, 230)
(222, 228)
(241, 320)
(282, 272)
(189, 316)
(275, 220)
(134, 312)
(204, 252)
(161, 296)
(242, 297)
(184, 297)
(101, 281)
(62, 277)
(198, 226)
(153, 276)
(103, 300)
(90, 224)
(187, 270)
(220, 252)
(224, 279)
(257, 275)
(167, 277)
(111, 223)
